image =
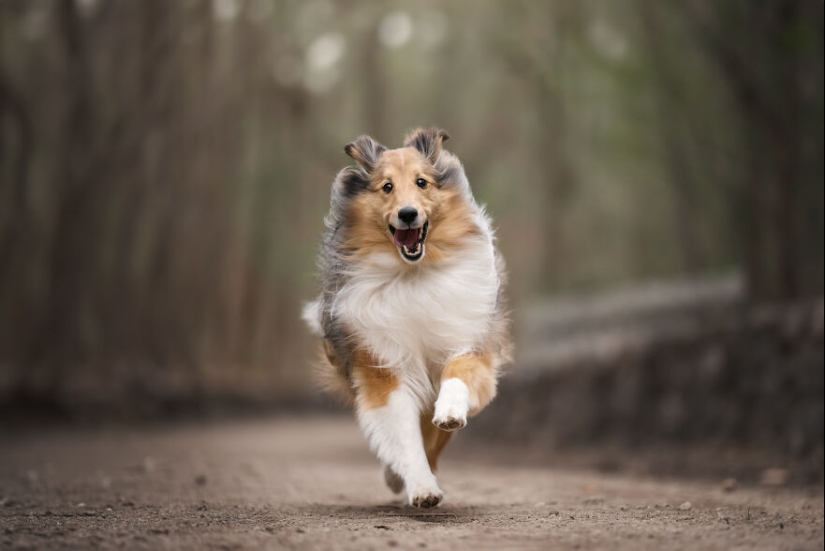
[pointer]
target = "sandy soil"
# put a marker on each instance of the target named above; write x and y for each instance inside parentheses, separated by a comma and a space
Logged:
(310, 483)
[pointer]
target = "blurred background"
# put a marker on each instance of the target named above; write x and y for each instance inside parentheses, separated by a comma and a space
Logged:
(654, 168)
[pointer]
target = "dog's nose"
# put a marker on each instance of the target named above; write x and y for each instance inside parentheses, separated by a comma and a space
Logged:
(407, 214)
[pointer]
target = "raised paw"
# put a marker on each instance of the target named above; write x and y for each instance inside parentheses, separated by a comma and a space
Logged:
(449, 422)
(452, 405)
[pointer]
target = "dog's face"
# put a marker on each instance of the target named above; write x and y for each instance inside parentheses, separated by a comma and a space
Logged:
(404, 194)
(402, 197)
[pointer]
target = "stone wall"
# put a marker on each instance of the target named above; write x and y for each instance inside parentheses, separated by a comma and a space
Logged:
(733, 375)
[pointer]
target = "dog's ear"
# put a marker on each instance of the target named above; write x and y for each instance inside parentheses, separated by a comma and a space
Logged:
(427, 141)
(365, 151)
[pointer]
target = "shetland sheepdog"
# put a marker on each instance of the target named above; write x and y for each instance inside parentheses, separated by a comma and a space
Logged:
(411, 311)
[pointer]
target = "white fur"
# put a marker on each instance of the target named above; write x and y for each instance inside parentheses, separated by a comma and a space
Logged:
(394, 435)
(453, 404)
(416, 319)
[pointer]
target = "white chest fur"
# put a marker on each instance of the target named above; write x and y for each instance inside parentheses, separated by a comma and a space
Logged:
(418, 318)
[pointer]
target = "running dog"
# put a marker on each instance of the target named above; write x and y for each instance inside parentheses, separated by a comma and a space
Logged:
(411, 311)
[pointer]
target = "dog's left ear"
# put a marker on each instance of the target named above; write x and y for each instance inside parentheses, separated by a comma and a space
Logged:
(365, 151)
(427, 141)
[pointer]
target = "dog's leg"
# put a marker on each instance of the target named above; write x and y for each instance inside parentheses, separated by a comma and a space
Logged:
(468, 383)
(389, 414)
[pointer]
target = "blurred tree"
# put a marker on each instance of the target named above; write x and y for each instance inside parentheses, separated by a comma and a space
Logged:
(769, 56)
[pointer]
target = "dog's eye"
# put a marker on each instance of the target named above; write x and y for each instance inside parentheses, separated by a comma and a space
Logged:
(421, 182)
(387, 187)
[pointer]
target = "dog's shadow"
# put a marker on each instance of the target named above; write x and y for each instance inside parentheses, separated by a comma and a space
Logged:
(399, 511)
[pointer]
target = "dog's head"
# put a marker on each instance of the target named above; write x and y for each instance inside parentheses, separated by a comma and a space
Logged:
(398, 196)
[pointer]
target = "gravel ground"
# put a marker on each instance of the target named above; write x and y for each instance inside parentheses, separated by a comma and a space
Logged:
(310, 483)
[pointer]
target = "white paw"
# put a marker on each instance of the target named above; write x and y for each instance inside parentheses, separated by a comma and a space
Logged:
(452, 405)
(424, 494)
(450, 418)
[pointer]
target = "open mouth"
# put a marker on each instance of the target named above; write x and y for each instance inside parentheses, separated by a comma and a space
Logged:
(410, 241)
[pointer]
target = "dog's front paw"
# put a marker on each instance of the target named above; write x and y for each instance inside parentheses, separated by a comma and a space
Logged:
(424, 494)
(452, 405)
(450, 419)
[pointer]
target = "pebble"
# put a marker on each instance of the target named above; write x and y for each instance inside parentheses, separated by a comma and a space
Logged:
(686, 506)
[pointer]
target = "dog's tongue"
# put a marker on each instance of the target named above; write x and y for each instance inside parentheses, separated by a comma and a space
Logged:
(407, 238)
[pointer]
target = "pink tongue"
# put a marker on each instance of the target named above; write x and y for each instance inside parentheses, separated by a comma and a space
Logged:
(407, 238)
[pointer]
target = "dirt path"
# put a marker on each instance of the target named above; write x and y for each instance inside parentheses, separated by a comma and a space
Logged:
(311, 484)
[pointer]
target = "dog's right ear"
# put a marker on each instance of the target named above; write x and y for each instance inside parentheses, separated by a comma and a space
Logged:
(427, 141)
(365, 151)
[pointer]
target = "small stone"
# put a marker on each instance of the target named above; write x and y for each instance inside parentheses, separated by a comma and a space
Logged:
(729, 484)
(686, 506)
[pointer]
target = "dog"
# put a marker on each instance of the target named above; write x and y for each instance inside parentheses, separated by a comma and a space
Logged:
(411, 312)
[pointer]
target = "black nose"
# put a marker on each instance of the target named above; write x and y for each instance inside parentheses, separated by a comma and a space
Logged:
(407, 214)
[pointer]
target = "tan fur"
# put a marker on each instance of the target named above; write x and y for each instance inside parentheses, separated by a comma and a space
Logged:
(450, 223)
(373, 384)
(477, 372)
